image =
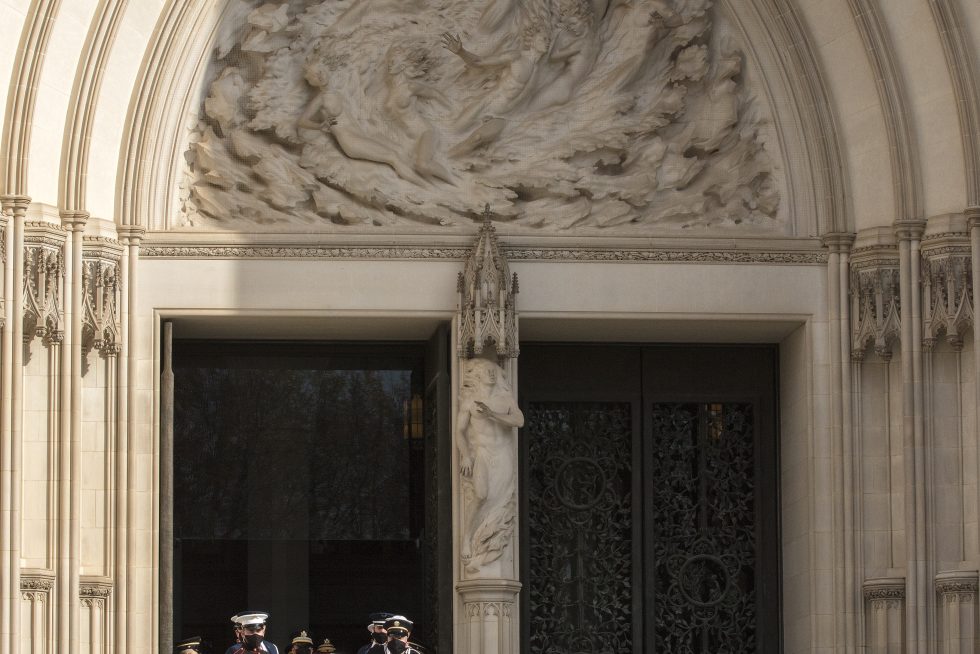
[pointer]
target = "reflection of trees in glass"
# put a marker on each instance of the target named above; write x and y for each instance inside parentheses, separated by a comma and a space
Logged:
(279, 453)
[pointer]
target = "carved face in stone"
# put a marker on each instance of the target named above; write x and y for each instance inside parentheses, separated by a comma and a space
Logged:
(317, 74)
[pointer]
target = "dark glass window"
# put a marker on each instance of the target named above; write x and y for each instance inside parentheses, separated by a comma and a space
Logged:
(298, 487)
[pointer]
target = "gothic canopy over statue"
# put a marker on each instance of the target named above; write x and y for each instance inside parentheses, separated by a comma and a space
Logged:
(618, 115)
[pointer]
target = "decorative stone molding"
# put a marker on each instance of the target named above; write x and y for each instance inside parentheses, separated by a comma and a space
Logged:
(95, 594)
(947, 286)
(620, 255)
(44, 282)
(487, 291)
(957, 586)
(876, 307)
(956, 594)
(885, 615)
(36, 582)
(489, 617)
(101, 296)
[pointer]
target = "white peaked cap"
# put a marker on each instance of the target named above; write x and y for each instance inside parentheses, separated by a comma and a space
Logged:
(250, 617)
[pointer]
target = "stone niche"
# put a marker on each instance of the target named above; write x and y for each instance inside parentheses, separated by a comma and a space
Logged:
(612, 117)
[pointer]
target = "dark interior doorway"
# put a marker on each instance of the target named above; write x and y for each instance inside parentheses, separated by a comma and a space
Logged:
(305, 485)
(649, 499)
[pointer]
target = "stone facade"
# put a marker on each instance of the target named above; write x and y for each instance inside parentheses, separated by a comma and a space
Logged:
(796, 172)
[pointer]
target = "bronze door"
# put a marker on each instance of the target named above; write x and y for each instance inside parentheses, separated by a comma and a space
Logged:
(649, 499)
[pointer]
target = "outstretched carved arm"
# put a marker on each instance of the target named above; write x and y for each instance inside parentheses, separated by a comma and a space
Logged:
(513, 418)
(453, 43)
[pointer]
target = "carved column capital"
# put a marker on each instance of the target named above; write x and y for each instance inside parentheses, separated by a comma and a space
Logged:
(972, 217)
(131, 234)
(838, 242)
(885, 591)
(74, 221)
(15, 204)
(957, 586)
(909, 230)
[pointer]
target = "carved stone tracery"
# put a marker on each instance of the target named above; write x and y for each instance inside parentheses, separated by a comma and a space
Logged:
(876, 308)
(44, 283)
(101, 297)
(487, 290)
(947, 286)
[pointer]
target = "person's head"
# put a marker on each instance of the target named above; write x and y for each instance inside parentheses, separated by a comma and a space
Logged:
(301, 644)
(190, 645)
(251, 626)
(399, 628)
(326, 647)
(377, 626)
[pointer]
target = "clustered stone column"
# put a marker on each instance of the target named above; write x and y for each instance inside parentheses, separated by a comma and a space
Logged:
(60, 301)
(912, 296)
(486, 423)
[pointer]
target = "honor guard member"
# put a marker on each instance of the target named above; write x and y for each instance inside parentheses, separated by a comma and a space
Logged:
(250, 629)
(190, 645)
(301, 644)
(378, 634)
(399, 628)
(326, 647)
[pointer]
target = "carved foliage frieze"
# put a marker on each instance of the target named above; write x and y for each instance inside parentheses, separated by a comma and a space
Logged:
(947, 287)
(876, 308)
(44, 283)
(957, 590)
(885, 594)
(101, 299)
(562, 114)
(94, 595)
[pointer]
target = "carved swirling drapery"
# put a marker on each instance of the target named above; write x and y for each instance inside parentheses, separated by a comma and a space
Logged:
(561, 114)
(703, 507)
(581, 567)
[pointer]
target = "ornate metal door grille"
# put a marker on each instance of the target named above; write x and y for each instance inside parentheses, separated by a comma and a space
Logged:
(650, 500)
(581, 559)
(704, 517)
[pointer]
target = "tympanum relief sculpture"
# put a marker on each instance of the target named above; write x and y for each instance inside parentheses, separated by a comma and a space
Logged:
(617, 115)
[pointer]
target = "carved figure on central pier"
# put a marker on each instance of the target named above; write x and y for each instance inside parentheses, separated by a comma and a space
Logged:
(486, 438)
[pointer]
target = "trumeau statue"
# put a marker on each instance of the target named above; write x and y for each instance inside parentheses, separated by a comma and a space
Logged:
(612, 116)
(486, 429)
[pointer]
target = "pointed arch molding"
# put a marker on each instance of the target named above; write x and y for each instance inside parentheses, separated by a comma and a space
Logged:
(906, 174)
(170, 86)
(83, 101)
(962, 62)
(22, 95)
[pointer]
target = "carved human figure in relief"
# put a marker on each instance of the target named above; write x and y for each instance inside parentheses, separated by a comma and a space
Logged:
(327, 111)
(573, 53)
(515, 67)
(488, 415)
(402, 106)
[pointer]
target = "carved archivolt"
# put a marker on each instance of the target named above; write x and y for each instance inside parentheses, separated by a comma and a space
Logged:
(947, 287)
(876, 308)
(562, 114)
(44, 281)
(101, 298)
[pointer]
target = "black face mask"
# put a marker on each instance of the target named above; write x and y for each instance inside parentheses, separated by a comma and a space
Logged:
(397, 647)
(379, 638)
(304, 649)
(252, 641)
